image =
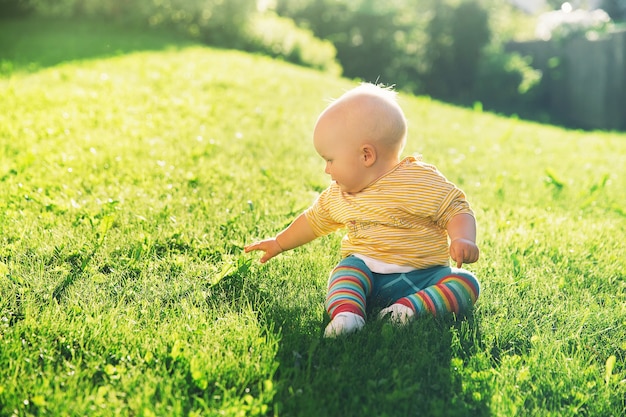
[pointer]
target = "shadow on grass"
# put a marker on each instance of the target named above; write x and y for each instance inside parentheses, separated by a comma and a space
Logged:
(432, 367)
(380, 371)
(30, 44)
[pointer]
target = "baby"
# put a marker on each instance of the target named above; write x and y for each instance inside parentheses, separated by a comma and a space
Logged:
(403, 219)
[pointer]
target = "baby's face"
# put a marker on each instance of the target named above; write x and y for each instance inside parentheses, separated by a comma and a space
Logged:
(339, 146)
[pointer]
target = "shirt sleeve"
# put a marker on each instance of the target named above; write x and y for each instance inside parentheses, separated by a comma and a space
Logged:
(453, 204)
(319, 217)
(439, 198)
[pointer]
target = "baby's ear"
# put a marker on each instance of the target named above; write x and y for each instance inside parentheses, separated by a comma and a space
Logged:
(368, 155)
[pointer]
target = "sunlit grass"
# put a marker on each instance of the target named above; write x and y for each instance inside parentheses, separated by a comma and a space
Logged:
(129, 185)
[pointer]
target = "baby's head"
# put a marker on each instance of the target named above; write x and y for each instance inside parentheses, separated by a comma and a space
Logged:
(371, 114)
(361, 135)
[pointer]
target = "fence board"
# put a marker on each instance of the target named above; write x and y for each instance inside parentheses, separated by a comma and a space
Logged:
(587, 86)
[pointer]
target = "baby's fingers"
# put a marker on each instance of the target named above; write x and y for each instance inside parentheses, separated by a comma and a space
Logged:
(463, 253)
(266, 257)
(459, 257)
(262, 245)
(268, 246)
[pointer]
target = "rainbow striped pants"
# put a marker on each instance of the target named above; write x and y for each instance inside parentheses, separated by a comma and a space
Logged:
(352, 287)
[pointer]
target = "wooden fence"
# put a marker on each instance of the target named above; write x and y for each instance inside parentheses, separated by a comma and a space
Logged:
(585, 79)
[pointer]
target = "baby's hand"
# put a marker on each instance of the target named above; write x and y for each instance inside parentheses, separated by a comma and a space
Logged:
(269, 246)
(464, 251)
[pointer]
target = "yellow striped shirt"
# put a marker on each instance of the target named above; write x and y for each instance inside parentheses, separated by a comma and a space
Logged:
(399, 219)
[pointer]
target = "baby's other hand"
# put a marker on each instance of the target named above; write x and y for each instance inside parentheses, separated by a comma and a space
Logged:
(464, 251)
(269, 246)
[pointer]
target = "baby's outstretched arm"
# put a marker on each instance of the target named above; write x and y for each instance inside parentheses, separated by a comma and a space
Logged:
(296, 234)
(462, 231)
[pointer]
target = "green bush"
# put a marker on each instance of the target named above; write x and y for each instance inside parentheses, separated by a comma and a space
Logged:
(13, 8)
(507, 82)
(457, 36)
(280, 37)
(77, 8)
(375, 40)
(217, 22)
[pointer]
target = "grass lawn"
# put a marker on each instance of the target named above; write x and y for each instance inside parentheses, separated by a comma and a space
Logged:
(134, 166)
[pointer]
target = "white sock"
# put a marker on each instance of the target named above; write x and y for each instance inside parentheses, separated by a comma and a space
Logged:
(398, 313)
(344, 323)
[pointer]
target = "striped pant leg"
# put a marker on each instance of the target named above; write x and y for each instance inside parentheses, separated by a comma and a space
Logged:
(349, 285)
(456, 292)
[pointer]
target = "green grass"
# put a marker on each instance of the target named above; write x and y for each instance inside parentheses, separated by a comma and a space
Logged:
(129, 183)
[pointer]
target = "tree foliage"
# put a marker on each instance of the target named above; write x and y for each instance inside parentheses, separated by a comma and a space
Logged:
(448, 49)
(435, 47)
